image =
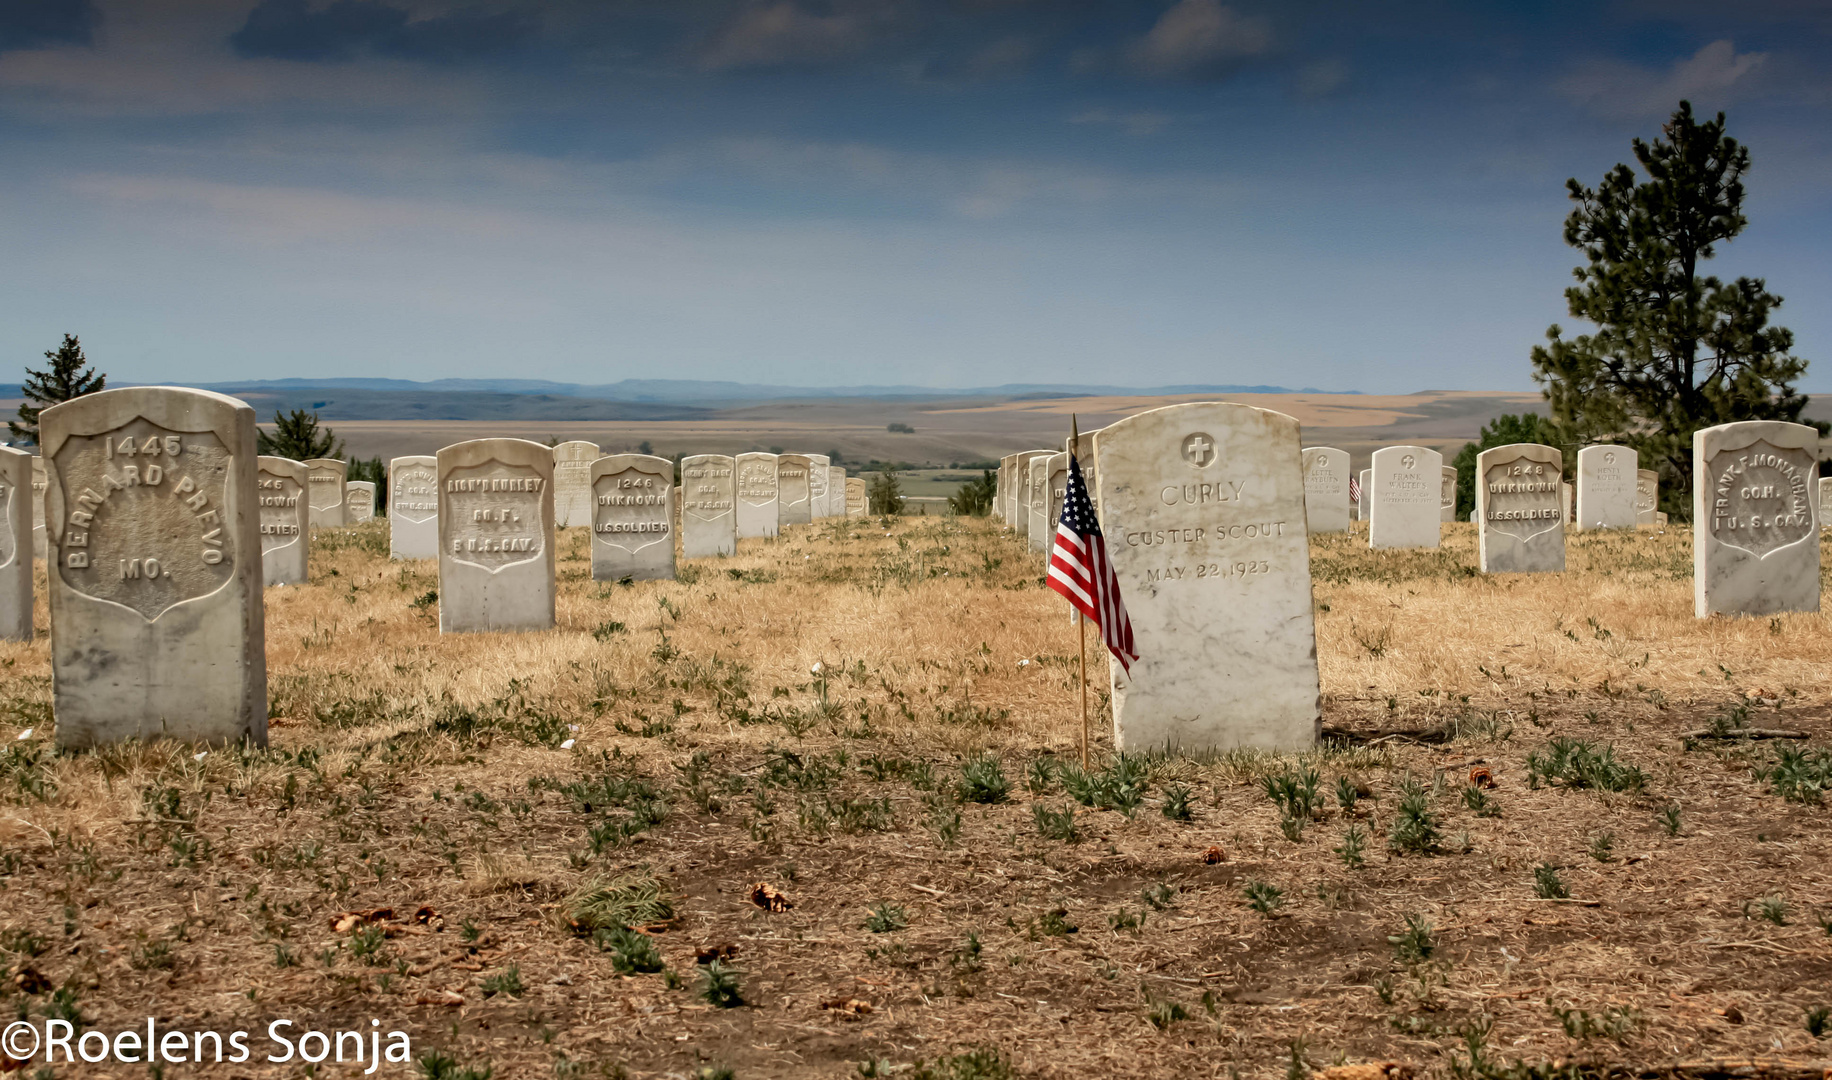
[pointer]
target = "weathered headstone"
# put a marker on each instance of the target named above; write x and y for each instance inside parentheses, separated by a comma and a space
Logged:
(1366, 507)
(1447, 495)
(1057, 488)
(856, 502)
(1520, 524)
(153, 532)
(998, 488)
(709, 497)
(1090, 466)
(1326, 489)
(818, 464)
(756, 495)
(1407, 485)
(1037, 483)
(15, 544)
(792, 492)
(1022, 520)
(1606, 487)
(633, 536)
(1203, 510)
(324, 492)
(496, 559)
(572, 481)
(1755, 542)
(285, 526)
(1825, 489)
(836, 491)
(1647, 496)
(1567, 498)
(359, 502)
(413, 507)
(38, 508)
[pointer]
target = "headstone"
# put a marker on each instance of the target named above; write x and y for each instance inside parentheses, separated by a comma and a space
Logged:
(1058, 488)
(1520, 524)
(285, 525)
(1203, 510)
(413, 507)
(709, 496)
(1037, 483)
(1022, 510)
(496, 559)
(1567, 498)
(38, 507)
(1407, 484)
(1090, 466)
(1366, 506)
(15, 544)
(1606, 487)
(756, 495)
(1326, 489)
(324, 494)
(1647, 496)
(792, 491)
(153, 532)
(836, 491)
(1755, 541)
(1447, 495)
(572, 472)
(818, 464)
(359, 502)
(1825, 488)
(998, 487)
(856, 502)
(633, 528)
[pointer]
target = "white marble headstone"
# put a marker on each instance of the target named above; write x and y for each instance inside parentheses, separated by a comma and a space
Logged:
(818, 465)
(325, 492)
(633, 534)
(359, 502)
(1520, 524)
(413, 507)
(286, 535)
(1365, 507)
(1326, 489)
(1755, 538)
(1447, 497)
(572, 468)
(1606, 487)
(1037, 483)
(856, 502)
(709, 497)
(793, 495)
(153, 532)
(1407, 485)
(756, 495)
(496, 559)
(38, 507)
(16, 544)
(1825, 489)
(1058, 489)
(1647, 496)
(1203, 509)
(836, 491)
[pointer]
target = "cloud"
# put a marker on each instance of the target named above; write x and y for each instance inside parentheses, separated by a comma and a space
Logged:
(1133, 123)
(1200, 39)
(34, 24)
(784, 35)
(1320, 79)
(1620, 90)
(291, 30)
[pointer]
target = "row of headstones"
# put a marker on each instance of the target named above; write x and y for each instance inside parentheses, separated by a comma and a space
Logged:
(157, 612)
(1603, 492)
(1029, 486)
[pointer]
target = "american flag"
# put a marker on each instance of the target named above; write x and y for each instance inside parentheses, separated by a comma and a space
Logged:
(1080, 571)
(1354, 489)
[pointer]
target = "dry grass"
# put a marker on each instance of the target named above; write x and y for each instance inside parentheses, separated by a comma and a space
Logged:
(410, 770)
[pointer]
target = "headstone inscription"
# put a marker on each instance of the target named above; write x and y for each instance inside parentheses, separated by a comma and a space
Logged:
(324, 494)
(1447, 495)
(757, 506)
(413, 507)
(1755, 541)
(792, 491)
(1037, 482)
(15, 544)
(1520, 525)
(285, 528)
(38, 508)
(856, 502)
(1407, 483)
(1326, 489)
(359, 502)
(572, 496)
(496, 558)
(1203, 509)
(1647, 495)
(153, 533)
(709, 496)
(633, 533)
(818, 464)
(1606, 487)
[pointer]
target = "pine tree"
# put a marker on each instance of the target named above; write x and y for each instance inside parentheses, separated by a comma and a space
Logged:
(885, 495)
(296, 435)
(974, 499)
(1674, 351)
(69, 377)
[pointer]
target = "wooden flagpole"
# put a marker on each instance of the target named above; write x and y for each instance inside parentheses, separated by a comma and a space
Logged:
(1081, 621)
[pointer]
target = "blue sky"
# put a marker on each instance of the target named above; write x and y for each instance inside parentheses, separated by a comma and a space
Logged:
(946, 193)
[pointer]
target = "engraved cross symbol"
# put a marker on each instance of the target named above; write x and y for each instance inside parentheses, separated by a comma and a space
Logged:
(1198, 449)
(1609, 458)
(1408, 461)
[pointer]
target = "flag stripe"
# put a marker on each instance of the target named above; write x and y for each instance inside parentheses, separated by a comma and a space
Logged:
(1081, 572)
